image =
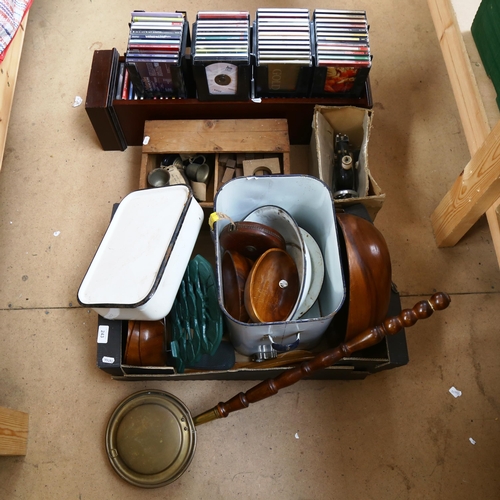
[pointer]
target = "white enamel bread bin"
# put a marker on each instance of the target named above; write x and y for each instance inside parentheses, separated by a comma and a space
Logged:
(310, 203)
(139, 265)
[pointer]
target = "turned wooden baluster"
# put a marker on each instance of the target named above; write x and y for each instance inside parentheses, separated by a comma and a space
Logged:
(371, 336)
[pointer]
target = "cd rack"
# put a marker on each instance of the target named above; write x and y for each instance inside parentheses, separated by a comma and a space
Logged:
(342, 52)
(156, 62)
(283, 52)
(280, 80)
(119, 123)
(221, 56)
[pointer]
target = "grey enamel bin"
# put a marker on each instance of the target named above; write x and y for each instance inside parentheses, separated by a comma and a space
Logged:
(309, 201)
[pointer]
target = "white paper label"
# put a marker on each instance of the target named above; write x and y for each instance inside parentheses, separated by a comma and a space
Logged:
(102, 334)
(199, 190)
(107, 359)
(175, 176)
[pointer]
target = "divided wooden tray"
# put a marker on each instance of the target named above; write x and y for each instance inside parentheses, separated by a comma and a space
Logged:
(213, 137)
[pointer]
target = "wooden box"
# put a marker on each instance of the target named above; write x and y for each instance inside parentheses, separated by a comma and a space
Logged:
(213, 137)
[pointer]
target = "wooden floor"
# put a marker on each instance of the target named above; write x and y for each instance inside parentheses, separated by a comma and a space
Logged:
(399, 434)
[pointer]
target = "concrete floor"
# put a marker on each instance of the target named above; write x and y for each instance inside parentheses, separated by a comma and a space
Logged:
(395, 435)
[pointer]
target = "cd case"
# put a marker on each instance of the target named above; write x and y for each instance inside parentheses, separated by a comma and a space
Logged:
(342, 58)
(156, 59)
(283, 52)
(221, 55)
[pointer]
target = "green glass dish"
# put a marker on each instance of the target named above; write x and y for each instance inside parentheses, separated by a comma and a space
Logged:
(196, 319)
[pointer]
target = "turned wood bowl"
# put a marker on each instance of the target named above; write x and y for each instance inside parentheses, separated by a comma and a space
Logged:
(145, 344)
(250, 239)
(272, 287)
(282, 221)
(235, 271)
(368, 280)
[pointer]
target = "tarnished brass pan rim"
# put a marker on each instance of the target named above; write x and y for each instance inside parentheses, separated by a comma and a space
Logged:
(150, 438)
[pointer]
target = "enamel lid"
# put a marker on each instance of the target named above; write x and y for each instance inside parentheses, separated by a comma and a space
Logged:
(132, 256)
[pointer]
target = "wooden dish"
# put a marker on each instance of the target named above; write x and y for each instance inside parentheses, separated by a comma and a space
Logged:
(131, 355)
(368, 280)
(250, 239)
(282, 221)
(235, 271)
(272, 287)
(145, 344)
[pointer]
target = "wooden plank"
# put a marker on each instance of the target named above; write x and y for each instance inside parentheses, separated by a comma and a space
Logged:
(8, 78)
(475, 190)
(13, 432)
(463, 83)
(493, 216)
(212, 136)
(148, 163)
(286, 163)
(446, 219)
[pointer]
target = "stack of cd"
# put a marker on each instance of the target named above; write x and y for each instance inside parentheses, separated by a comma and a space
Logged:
(284, 55)
(342, 56)
(155, 53)
(221, 55)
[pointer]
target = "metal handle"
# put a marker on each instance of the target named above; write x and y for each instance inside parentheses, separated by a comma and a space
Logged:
(285, 347)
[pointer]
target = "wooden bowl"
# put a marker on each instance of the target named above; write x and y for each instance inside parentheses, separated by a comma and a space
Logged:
(368, 280)
(235, 271)
(131, 355)
(272, 287)
(250, 239)
(145, 344)
(282, 221)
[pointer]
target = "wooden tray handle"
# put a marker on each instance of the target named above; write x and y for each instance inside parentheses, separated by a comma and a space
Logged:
(371, 336)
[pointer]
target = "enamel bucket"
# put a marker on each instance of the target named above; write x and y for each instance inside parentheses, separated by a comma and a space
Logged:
(309, 201)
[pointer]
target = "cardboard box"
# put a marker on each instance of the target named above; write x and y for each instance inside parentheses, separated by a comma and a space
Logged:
(356, 123)
(390, 353)
(112, 334)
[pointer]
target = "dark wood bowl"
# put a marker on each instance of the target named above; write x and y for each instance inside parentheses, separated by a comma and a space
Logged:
(369, 278)
(145, 344)
(265, 300)
(131, 355)
(235, 270)
(250, 239)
